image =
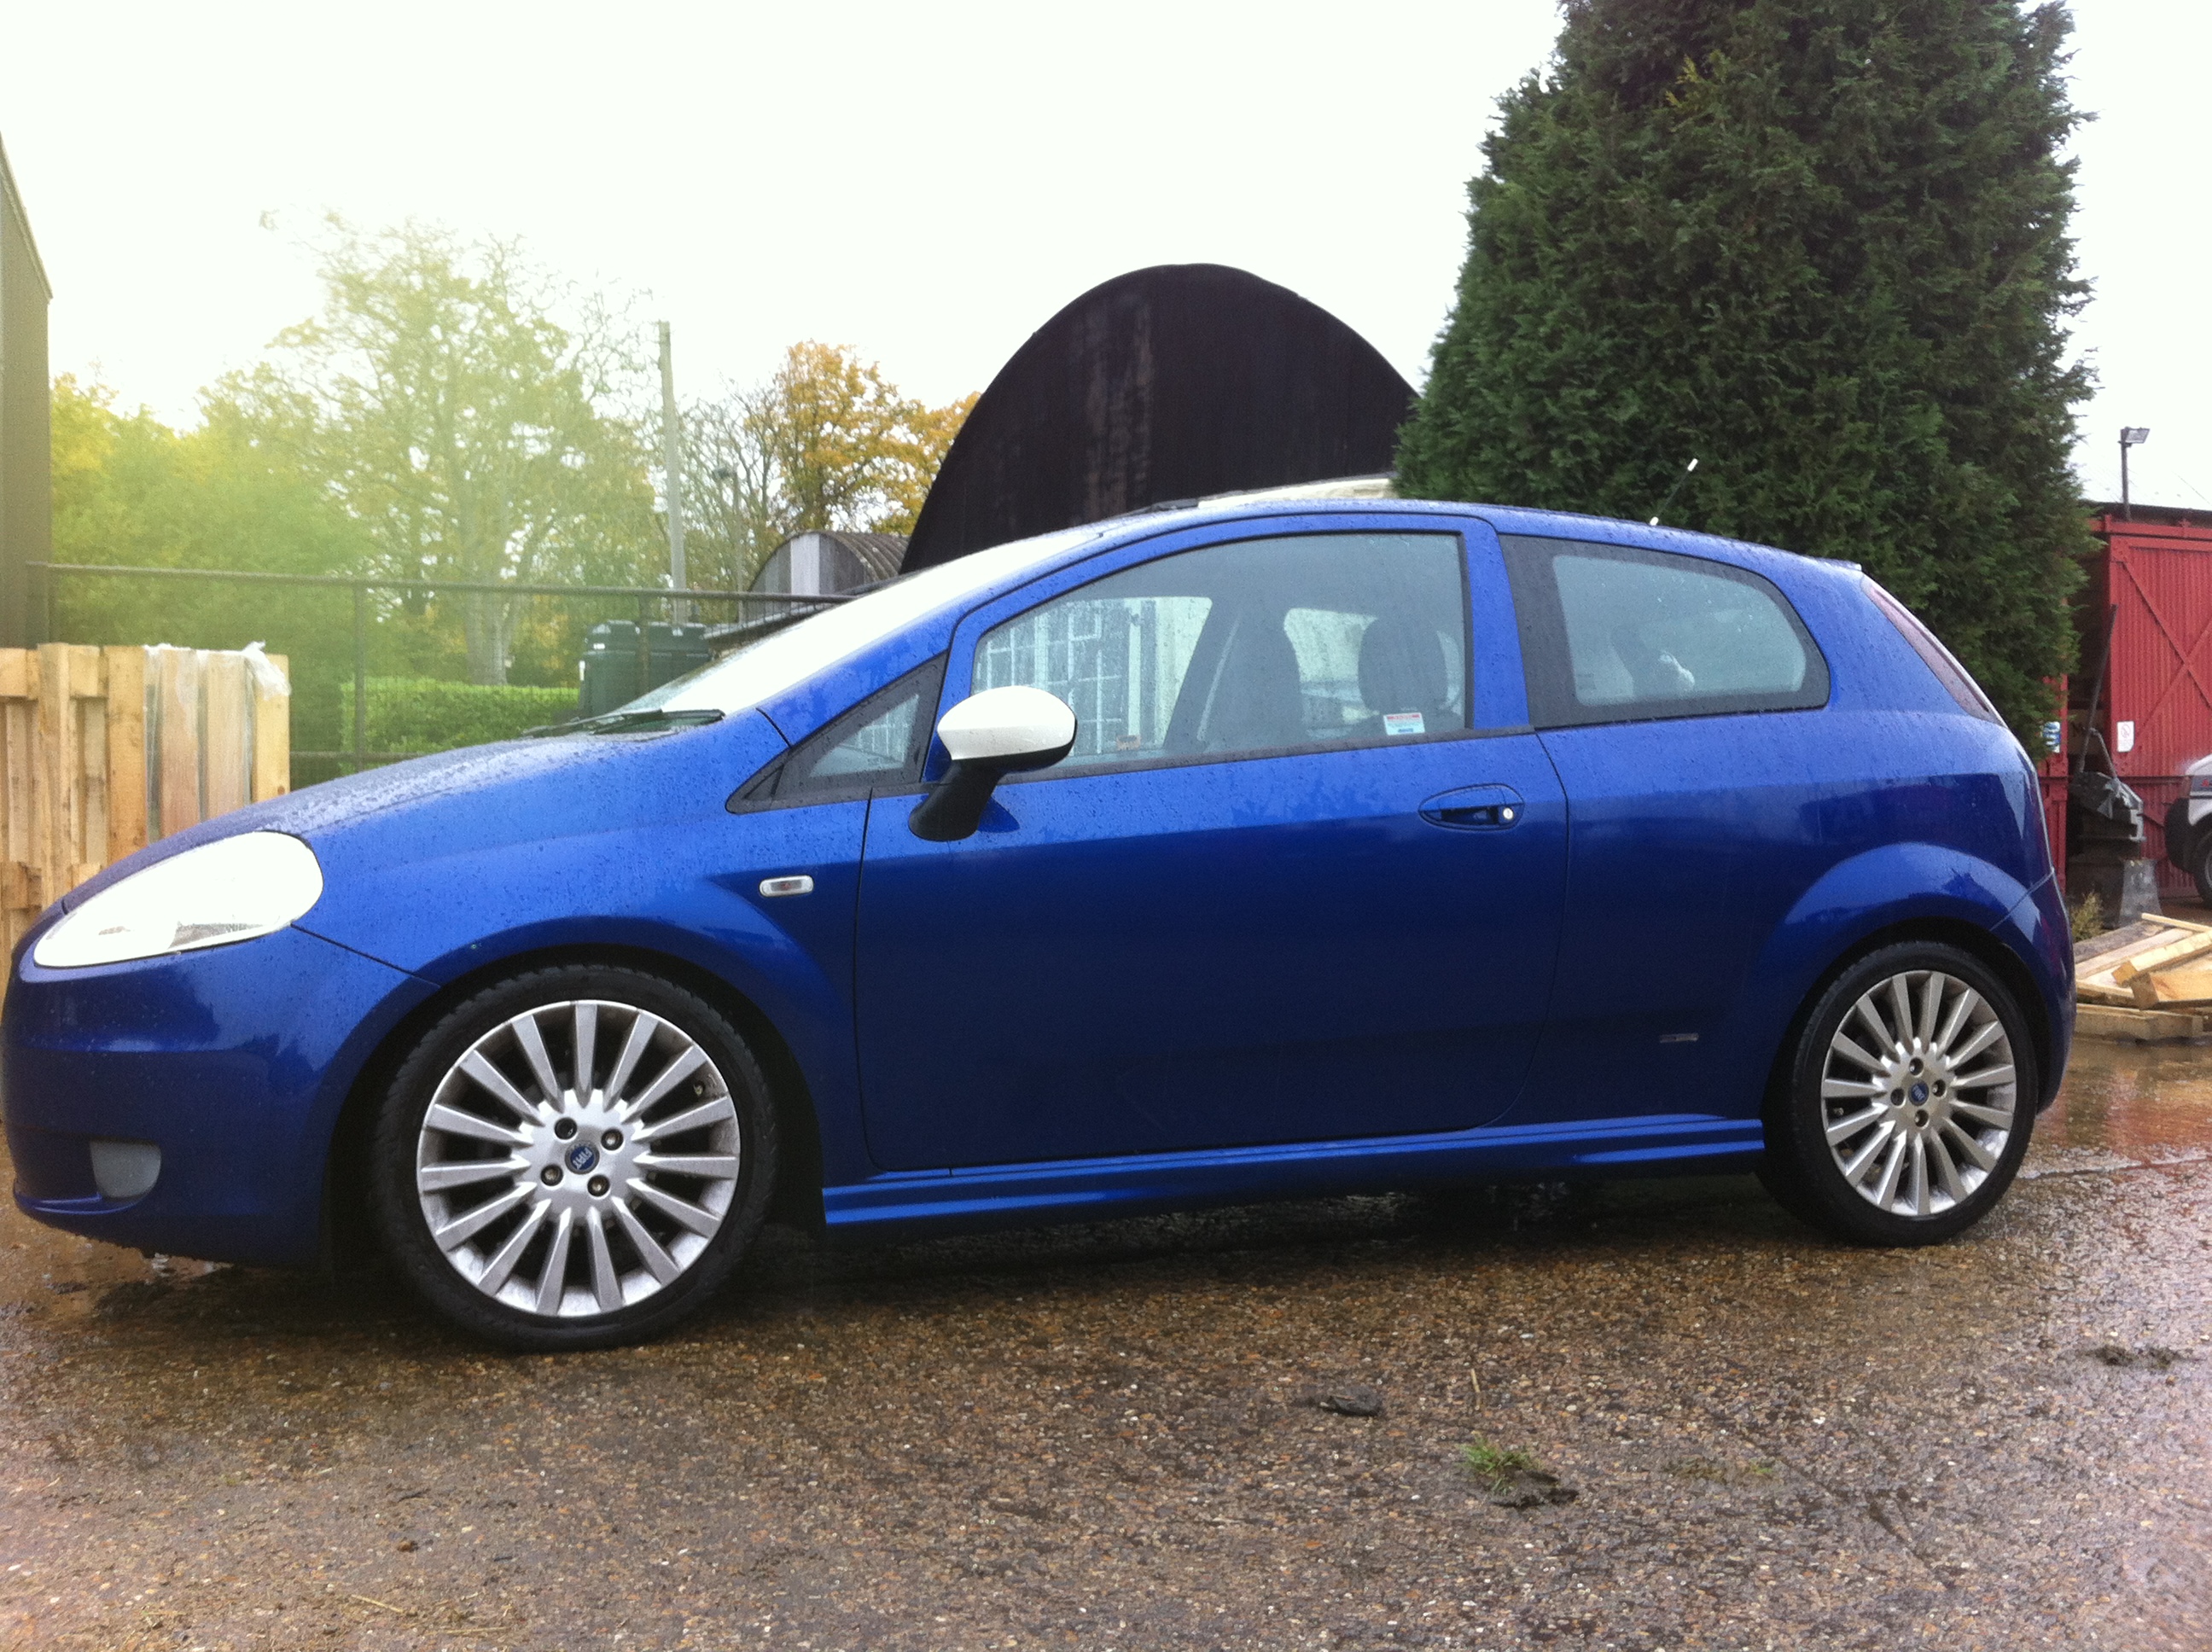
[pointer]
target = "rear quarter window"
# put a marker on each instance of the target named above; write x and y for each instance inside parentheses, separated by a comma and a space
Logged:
(1611, 633)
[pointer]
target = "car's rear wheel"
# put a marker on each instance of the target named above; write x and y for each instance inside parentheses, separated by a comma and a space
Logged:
(1909, 1100)
(2200, 869)
(575, 1158)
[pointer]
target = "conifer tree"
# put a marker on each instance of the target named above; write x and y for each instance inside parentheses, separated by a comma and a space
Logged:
(1820, 245)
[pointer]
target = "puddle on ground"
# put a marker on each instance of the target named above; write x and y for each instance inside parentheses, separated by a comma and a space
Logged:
(2133, 1099)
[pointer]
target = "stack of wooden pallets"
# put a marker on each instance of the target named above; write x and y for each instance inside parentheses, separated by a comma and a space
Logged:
(2150, 982)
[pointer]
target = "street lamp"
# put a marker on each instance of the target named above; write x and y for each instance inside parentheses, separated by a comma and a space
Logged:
(2131, 436)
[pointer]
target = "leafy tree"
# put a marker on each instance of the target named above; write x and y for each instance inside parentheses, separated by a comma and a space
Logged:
(827, 442)
(472, 434)
(1818, 245)
(129, 490)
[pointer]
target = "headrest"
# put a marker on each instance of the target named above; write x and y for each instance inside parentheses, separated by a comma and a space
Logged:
(1403, 667)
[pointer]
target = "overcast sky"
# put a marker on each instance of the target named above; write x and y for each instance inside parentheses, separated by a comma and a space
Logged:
(925, 182)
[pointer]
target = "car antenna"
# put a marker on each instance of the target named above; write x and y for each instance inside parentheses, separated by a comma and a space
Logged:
(1671, 492)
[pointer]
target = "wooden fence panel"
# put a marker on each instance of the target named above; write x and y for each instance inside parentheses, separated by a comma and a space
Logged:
(83, 783)
(20, 888)
(175, 801)
(226, 712)
(126, 751)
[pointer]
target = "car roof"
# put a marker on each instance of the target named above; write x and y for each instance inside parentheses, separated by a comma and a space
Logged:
(1330, 499)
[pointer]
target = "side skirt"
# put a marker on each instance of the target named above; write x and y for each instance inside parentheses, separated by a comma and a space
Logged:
(1102, 1188)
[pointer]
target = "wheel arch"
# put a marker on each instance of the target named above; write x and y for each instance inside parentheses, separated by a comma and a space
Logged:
(348, 1234)
(1976, 942)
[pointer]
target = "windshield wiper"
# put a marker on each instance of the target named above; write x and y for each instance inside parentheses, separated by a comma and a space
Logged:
(618, 722)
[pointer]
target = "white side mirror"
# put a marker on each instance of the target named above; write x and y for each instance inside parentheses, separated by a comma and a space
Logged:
(998, 731)
(1010, 728)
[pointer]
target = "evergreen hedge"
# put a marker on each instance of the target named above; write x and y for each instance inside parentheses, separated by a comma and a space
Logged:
(1818, 244)
(413, 713)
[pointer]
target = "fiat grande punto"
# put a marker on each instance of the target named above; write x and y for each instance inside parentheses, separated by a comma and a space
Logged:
(1273, 846)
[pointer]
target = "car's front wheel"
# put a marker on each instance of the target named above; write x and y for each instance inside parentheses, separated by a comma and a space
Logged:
(2200, 869)
(1908, 1099)
(573, 1157)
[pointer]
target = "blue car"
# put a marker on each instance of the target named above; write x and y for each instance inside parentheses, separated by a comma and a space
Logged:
(1275, 847)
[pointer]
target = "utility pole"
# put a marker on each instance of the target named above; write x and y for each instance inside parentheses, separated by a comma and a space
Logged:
(672, 462)
(2131, 436)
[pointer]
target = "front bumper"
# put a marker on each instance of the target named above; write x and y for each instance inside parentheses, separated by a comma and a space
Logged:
(234, 1061)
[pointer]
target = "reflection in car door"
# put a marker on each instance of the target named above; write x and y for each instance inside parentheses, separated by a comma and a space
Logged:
(1678, 698)
(1225, 919)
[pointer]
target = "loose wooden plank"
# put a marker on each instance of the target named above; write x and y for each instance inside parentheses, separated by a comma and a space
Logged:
(2103, 951)
(2161, 957)
(2095, 991)
(2099, 984)
(2174, 923)
(2190, 986)
(126, 752)
(2136, 1026)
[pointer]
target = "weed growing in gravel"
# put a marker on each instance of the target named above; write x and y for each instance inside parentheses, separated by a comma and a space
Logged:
(1495, 1469)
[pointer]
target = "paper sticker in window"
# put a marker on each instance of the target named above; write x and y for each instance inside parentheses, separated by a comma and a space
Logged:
(1402, 722)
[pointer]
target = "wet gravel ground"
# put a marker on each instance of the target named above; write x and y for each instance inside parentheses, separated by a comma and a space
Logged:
(1244, 1429)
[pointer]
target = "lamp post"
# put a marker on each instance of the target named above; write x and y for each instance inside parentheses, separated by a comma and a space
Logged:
(2131, 436)
(728, 475)
(672, 442)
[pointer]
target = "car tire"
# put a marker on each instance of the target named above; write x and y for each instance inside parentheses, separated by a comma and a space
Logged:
(2200, 869)
(544, 1213)
(1901, 1118)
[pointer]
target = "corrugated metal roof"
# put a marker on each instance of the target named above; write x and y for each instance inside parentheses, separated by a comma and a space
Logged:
(2139, 513)
(879, 553)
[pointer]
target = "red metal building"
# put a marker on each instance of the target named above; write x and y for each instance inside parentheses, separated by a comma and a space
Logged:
(2150, 590)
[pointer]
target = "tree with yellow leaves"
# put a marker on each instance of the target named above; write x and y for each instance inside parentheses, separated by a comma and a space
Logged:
(827, 442)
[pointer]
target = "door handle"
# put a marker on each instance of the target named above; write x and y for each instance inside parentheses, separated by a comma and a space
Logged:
(1475, 809)
(1475, 814)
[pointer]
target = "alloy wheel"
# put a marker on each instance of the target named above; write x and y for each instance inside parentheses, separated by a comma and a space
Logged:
(1918, 1093)
(578, 1159)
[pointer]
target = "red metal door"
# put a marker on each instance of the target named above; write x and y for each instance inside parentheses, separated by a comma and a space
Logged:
(2157, 701)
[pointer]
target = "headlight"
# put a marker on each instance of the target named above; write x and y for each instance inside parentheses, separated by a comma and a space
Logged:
(232, 891)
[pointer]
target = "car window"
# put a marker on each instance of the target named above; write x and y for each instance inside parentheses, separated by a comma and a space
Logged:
(787, 657)
(1614, 634)
(879, 743)
(1262, 645)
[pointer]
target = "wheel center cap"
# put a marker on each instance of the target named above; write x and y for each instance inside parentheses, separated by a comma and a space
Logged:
(1919, 1095)
(582, 1157)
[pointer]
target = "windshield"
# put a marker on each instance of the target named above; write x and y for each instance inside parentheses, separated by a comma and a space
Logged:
(787, 658)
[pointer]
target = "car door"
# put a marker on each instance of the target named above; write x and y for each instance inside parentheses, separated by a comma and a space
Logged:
(1677, 697)
(1300, 878)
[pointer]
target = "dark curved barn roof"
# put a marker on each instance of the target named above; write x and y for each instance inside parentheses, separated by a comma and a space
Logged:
(1174, 382)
